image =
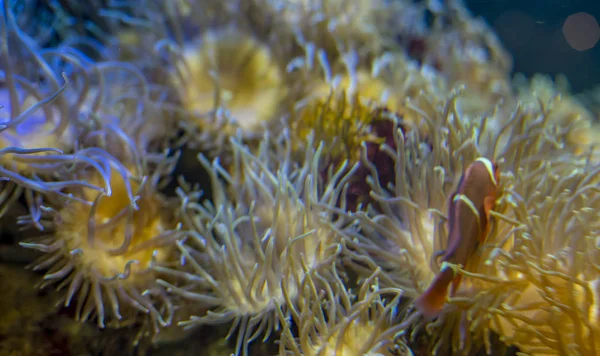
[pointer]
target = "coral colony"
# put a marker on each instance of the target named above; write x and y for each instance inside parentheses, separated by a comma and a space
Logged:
(304, 177)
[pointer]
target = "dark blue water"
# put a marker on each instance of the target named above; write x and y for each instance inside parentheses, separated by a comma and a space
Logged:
(532, 31)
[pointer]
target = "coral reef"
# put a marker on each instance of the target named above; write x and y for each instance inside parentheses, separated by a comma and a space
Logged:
(275, 177)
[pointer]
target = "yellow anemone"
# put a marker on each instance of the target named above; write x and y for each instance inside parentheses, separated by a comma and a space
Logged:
(234, 71)
(341, 122)
(250, 249)
(102, 254)
(339, 322)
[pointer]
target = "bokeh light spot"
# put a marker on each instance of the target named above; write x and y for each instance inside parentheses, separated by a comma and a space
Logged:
(581, 30)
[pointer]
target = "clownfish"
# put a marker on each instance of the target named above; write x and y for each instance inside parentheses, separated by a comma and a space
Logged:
(468, 226)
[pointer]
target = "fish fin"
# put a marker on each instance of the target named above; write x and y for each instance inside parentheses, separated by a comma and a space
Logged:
(488, 204)
(430, 304)
(432, 301)
(450, 220)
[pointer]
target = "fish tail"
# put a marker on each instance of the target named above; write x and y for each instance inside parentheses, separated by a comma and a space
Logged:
(432, 301)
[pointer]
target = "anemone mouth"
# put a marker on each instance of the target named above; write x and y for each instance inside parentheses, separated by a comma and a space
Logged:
(467, 50)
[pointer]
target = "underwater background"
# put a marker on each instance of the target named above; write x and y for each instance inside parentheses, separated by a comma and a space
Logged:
(532, 32)
(299, 177)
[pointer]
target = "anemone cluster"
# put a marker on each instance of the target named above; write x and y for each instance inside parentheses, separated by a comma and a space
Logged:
(272, 177)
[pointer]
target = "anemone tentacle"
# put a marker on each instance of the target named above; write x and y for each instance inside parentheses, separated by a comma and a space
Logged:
(248, 250)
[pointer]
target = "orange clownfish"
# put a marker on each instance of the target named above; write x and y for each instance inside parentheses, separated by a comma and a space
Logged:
(468, 226)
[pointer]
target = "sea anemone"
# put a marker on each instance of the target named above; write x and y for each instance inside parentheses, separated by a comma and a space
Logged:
(466, 52)
(568, 109)
(402, 233)
(124, 114)
(38, 135)
(340, 26)
(347, 111)
(390, 80)
(23, 64)
(345, 126)
(216, 78)
(538, 286)
(341, 122)
(232, 71)
(332, 320)
(248, 251)
(100, 255)
(334, 26)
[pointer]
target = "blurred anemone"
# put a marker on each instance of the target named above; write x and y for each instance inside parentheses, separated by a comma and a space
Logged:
(249, 250)
(37, 134)
(538, 285)
(568, 110)
(144, 26)
(345, 126)
(231, 70)
(402, 232)
(124, 113)
(341, 122)
(335, 26)
(332, 320)
(231, 83)
(108, 101)
(88, 27)
(36, 112)
(340, 26)
(467, 52)
(390, 80)
(100, 255)
(454, 50)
